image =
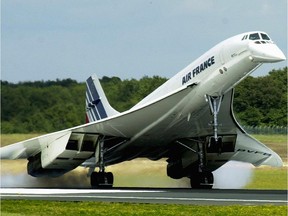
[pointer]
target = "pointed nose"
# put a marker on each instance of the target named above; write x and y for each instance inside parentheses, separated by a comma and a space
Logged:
(268, 52)
(275, 54)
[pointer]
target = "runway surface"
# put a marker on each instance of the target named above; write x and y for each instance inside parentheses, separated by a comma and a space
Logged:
(139, 195)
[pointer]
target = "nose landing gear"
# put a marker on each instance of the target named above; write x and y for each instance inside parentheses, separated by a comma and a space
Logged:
(214, 104)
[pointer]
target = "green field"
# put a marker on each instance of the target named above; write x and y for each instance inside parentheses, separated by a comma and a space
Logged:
(269, 178)
(277, 143)
(38, 208)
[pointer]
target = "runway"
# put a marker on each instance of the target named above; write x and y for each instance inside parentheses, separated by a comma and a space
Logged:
(141, 195)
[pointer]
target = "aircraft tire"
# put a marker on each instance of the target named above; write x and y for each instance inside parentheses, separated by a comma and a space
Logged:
(207, 180)
(94, 180)
(110, 178)
(195, 180)
(102, 180)
(203, 180)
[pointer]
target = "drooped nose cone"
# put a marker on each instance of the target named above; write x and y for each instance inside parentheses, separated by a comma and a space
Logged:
(268, 52)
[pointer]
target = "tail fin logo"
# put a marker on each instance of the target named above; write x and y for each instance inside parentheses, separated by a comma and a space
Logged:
(94, 106)
(97, 105)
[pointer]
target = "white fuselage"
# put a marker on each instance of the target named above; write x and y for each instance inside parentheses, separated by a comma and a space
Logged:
(222, 67)
(213, 74)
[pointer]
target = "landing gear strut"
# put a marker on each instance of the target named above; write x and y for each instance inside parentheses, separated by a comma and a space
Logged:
(101, 179)
(201, 178)
(199, 174)
(214, 104)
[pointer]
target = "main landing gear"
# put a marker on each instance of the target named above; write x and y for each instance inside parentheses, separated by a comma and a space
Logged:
(101, 179)
(200, 177)
(202, 180)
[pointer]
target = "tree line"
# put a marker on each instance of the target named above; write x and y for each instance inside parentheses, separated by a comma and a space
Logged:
(46, 106)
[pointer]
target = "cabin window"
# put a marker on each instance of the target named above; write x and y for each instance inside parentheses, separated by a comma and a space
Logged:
(254, 36)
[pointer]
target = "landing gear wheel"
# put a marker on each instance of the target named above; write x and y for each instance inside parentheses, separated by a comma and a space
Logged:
(110, 178)
(203, 180)
(102, 180)
(95, 180)
(207, 180)
(195, 180)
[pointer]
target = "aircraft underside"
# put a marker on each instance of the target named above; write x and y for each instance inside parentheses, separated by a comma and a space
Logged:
(214, 138)
(218, 140)
(192, 157)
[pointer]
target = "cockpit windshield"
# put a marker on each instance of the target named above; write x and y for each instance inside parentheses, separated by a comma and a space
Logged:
(257, 36)
(265, 36)
(254, 36)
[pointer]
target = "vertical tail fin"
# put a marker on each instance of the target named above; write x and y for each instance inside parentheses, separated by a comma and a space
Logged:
(97, 105)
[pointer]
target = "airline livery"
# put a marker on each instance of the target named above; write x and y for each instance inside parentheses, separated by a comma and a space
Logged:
(188, 120)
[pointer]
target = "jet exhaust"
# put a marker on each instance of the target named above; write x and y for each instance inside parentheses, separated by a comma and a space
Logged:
(22, 179)
(233, 175)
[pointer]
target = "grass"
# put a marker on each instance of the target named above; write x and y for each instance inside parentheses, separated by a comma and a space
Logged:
(269, 178)
(7, 139)
(277, 143)
(38, 208)
(274, 138)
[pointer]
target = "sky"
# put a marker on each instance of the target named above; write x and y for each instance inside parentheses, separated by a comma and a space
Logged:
(59, 39)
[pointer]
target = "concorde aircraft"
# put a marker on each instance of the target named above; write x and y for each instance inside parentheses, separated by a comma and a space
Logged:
(188, 120)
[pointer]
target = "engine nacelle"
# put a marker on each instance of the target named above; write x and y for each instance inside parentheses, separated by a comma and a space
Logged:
(34, 168)
(175, 170)
(62, 154)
